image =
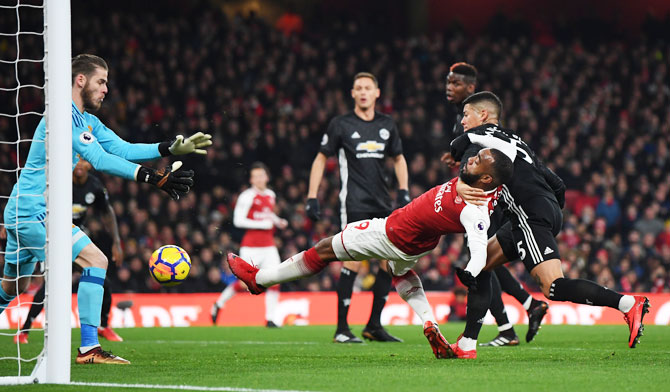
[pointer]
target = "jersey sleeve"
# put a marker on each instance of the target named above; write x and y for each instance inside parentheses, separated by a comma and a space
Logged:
(489, 141)
(88, 148)
(331, 139)
(476, 222)
(242, 207)
(111, 142)
(395, 143)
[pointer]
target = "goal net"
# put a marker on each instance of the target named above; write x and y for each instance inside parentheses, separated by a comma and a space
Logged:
(35, 83)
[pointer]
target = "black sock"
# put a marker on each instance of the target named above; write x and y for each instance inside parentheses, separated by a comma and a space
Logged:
(35, 308)
(510, 285)
(106, 304)
(345, 287)
(583, 292)
(380, 290)
(497, 307)
(478, 304)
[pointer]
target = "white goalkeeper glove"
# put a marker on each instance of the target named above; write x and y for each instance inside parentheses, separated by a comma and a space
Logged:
(194, 143)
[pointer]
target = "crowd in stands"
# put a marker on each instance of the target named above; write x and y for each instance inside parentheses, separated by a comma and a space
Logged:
(597, 113)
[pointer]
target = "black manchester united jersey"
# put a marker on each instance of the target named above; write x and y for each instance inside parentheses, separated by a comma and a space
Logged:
(362, 147)
(531, 177)
(89, 194)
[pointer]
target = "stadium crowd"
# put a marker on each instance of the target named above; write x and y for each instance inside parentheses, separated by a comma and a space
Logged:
(596, 113)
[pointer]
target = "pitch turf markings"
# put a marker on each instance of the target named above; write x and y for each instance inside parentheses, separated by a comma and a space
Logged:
(180, 387)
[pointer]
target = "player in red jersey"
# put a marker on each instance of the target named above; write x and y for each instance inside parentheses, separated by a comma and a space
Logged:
(402, 238)
(254, 211)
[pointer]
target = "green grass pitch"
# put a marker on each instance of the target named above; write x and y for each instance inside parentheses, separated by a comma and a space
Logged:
(562, 358)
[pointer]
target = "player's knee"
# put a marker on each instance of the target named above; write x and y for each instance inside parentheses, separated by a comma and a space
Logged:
(99, 261)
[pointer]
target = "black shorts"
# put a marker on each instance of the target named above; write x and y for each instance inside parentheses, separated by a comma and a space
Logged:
(530, 233)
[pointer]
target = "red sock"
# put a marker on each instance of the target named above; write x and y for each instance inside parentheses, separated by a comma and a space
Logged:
(313, 261)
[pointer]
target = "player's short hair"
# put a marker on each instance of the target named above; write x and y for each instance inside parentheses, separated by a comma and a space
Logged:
(259, 165)
(485, 97)
(468, 71)
(502, 167)
(366, 75)
(85, 64)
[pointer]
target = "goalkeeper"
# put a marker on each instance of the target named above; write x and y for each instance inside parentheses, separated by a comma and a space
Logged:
(91, 140)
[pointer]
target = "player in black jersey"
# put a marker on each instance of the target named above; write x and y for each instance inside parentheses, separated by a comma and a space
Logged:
(362, 139)
(533, 201)
(461, 83)
(87, 192)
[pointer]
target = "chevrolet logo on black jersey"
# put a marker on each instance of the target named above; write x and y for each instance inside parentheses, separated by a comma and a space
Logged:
(372, 150)
(370, 146)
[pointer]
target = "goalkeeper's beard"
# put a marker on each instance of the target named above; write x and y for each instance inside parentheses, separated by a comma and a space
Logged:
(87, 98)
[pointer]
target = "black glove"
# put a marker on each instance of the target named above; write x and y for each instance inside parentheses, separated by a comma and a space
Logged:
(403, 198)
(170, 179)
(312, 209)
(466, 278)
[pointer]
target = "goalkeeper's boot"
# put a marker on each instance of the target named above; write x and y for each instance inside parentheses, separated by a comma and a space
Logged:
(21, 338)
(463, 354)
(537, 311)
(379, 334)
(634, 319)
(98, 355)
(438, 343)
(109, 334)
(245, 272)
(506, 338)
(346, 336)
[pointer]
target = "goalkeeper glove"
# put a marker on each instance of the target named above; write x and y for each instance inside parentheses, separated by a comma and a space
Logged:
(466, 278)
(170, 179)
(312, 209)
(180, 146)
(403, 198)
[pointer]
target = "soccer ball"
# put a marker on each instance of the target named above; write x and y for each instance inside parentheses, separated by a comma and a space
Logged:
(169, 265)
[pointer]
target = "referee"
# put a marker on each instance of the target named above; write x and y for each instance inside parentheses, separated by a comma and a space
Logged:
(362, 139)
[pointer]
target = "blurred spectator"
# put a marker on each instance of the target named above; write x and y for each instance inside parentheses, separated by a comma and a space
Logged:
(595, 111)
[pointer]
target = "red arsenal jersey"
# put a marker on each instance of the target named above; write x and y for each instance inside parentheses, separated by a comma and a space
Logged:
(417, 227)
(254, 211)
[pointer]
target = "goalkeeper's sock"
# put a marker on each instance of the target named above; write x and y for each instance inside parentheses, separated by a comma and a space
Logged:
(5, 299)
(89, 301)
(410, 289)
(306, 263)
(89, 337)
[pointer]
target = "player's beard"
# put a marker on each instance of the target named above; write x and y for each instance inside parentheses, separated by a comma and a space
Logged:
(87, 97)
(468, 178)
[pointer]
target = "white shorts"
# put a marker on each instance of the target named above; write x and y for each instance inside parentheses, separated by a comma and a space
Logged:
(264, 257)
(367, 239)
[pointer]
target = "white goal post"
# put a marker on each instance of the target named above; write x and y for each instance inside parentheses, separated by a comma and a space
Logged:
(54, 365)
